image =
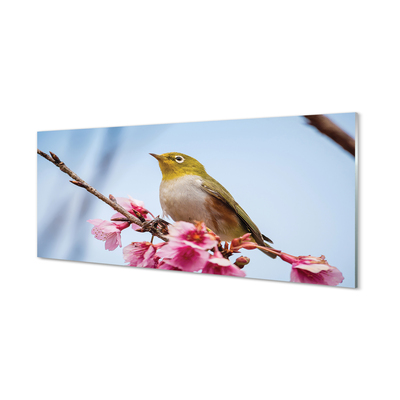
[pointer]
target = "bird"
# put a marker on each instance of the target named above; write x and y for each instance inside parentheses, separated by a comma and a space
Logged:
(188, 193)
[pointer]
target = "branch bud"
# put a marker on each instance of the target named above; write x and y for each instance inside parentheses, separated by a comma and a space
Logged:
(77, 183)
(55, 158)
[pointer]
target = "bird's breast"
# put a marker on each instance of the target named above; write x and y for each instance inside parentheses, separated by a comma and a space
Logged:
(183, 199)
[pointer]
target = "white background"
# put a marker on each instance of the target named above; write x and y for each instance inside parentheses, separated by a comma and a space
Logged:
(82, 331)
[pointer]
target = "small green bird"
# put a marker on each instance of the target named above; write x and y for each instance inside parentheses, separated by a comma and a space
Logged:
(188, 193)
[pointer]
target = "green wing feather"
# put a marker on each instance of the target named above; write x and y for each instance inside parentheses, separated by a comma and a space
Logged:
(214, 188)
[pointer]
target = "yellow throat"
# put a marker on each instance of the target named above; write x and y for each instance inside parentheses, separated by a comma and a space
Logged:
(175, 165)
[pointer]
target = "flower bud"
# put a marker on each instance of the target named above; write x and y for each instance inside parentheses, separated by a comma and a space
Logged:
(235, 242)
(246, 237)
(242, 261)
(242, 241)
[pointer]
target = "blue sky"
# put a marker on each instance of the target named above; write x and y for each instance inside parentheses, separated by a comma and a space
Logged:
(295, 183)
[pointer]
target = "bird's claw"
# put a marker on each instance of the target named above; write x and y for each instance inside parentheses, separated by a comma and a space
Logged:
(156, 224)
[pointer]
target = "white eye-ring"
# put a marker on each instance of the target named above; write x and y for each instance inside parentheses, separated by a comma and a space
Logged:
(179, 159)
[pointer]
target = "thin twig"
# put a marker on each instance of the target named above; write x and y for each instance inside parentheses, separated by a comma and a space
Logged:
(330, 129)
(110, 201)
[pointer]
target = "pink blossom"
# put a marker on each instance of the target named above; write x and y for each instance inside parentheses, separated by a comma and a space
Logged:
(110, 232)
(142, 254)
(196, 236)
(132, 205)
(219, 265)
(308, 269)
(187, 247)
(184, 257)
(163, 265)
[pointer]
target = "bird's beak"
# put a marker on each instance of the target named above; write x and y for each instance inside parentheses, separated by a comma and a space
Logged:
(158, 157)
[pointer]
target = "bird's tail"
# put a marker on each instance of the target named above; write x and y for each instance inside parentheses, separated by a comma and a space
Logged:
(272, 255)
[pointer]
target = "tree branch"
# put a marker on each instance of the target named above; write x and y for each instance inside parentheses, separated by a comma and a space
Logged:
(147, 226)
(330, 129)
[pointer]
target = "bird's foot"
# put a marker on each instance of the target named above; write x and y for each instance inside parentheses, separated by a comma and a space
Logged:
(156, 224)
(225, 250)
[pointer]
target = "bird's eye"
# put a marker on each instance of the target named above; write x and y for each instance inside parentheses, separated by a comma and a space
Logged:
(179, 159)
